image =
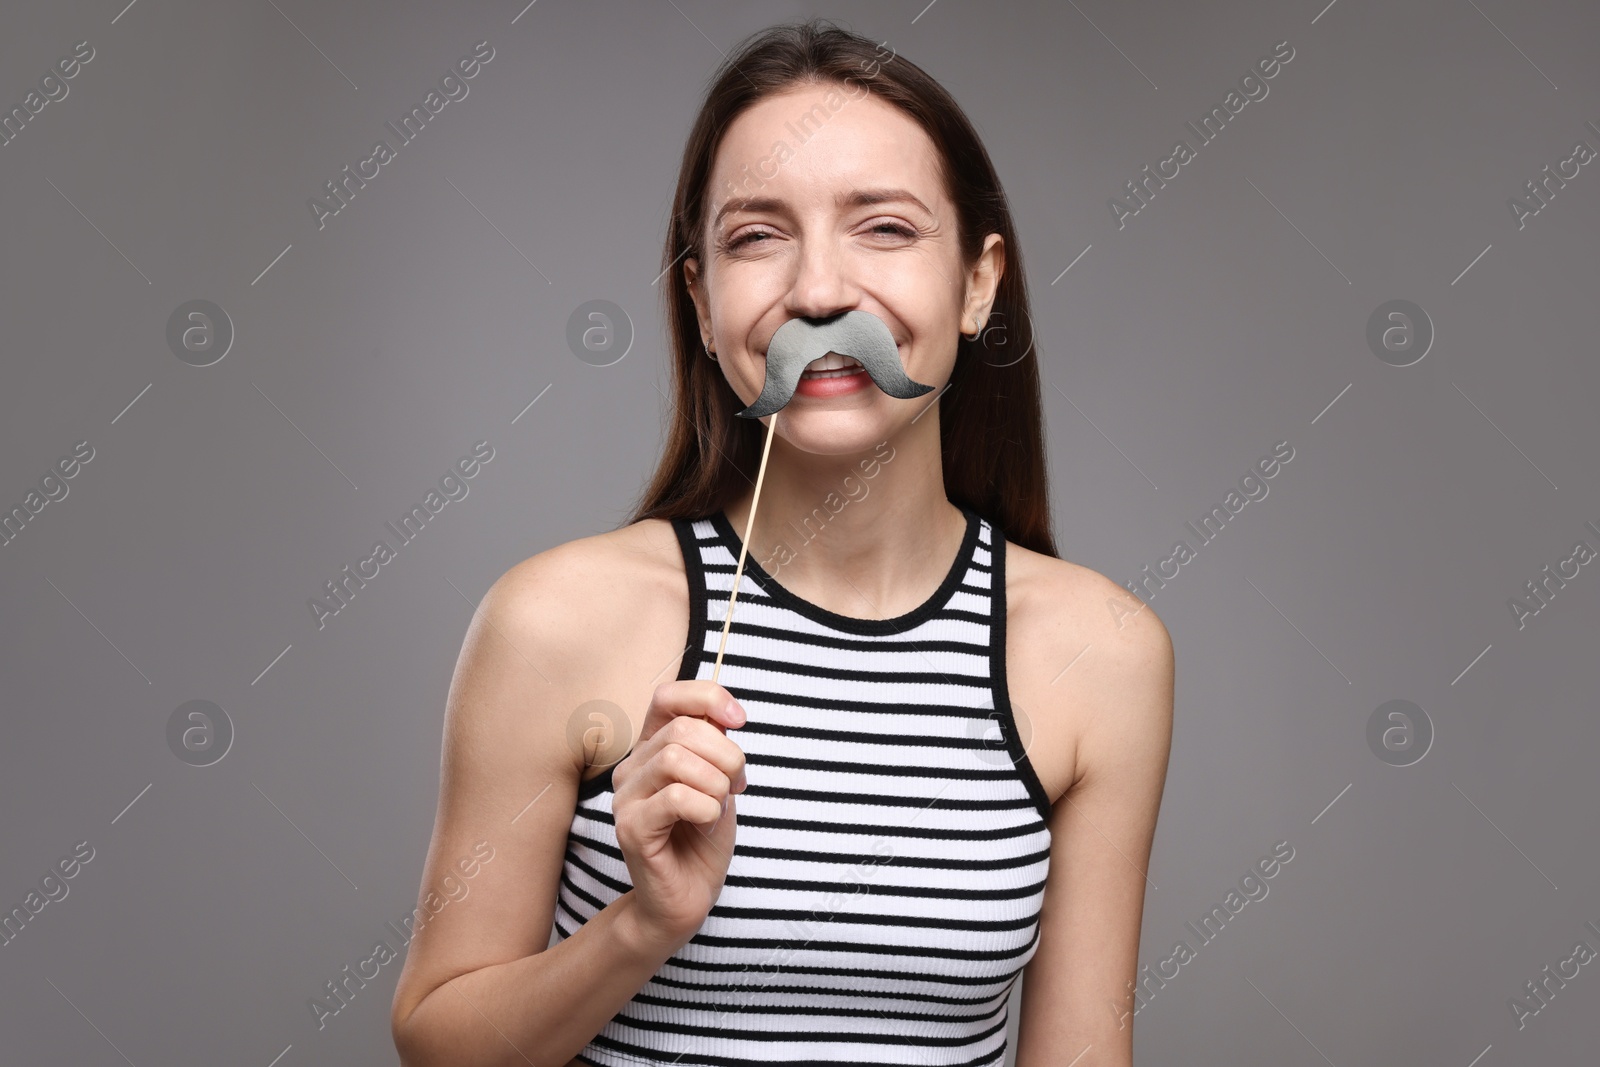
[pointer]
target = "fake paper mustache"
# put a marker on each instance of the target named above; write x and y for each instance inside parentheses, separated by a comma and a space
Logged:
(858, 334)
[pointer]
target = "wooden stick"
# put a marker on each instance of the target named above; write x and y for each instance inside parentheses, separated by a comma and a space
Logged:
(744, 545)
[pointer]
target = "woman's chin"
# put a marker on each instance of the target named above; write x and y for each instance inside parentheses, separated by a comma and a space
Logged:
(822, 431)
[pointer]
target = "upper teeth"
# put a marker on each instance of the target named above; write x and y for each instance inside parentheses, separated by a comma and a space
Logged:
(832, 361)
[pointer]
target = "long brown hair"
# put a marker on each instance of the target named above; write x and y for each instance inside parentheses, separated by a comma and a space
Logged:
(990, 418)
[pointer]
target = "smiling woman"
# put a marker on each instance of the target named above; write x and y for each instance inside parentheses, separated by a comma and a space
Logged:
(830, 856)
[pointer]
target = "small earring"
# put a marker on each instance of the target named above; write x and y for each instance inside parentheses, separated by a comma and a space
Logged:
(707, 346)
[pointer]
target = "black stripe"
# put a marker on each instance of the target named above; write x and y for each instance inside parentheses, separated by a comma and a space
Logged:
(862, 948)
(1002, 693)
(846, 859)
(849, 644)
(590, 787)
(719, 599)
(561, 902)
(876, 889)
(823, 991)
(926, 922)
(817, 1009)
(845, 1036)
(888, 770)
(818, 796)
(861, 737)
(603, 847)
(848, 674)
(748, 694)
(943, 863)
(582, 894)
(635, 1054)
(922, 978)
(886, 889)
(610, 883)
(983, 833)
(694, 576)
(710, 567)
(888, 1037)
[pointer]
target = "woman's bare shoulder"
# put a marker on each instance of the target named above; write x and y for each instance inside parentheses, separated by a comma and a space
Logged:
(1047, 595)
(1080, 651)
(638, 550)
(615, 584)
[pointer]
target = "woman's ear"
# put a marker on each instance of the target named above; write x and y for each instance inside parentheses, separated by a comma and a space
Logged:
(983, 281)
(702, 307)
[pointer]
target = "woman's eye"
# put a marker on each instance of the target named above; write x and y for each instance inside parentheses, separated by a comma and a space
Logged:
(747, 238)
(886, 228)
(893, 229)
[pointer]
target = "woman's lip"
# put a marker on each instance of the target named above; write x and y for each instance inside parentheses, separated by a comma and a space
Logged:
(836, 385)
(853, 362)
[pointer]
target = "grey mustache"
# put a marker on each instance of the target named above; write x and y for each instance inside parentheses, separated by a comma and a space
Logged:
(858, 334)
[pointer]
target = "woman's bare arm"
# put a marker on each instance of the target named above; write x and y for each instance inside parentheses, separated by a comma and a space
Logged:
(1075, 996)
(479, 985)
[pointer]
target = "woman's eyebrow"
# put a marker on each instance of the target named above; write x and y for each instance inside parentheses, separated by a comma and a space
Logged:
(747, 203)
(868, 197)
(854, 198)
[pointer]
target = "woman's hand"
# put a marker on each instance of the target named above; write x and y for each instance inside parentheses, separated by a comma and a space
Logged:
(674, 807)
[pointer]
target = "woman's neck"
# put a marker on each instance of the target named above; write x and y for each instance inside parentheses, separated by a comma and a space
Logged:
(869, 534)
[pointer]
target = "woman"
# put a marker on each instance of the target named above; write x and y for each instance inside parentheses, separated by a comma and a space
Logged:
(828, 855)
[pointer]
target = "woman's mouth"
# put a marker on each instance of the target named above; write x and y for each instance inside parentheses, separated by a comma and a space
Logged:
(832, 365)
(832, 375)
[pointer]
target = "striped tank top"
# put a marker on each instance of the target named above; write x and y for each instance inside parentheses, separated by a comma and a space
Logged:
(891, 844)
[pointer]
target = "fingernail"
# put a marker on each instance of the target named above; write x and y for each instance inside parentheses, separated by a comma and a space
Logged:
(735, 712)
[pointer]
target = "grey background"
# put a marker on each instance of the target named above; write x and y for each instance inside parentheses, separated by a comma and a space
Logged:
(1230, 314)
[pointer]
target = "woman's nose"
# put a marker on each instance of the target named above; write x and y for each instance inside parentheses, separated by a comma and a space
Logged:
(821, 285)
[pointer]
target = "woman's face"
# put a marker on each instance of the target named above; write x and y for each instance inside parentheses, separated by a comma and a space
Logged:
(822, 202)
